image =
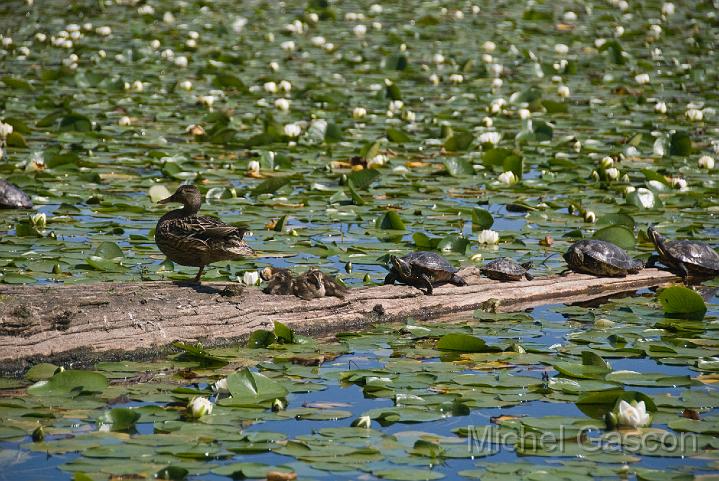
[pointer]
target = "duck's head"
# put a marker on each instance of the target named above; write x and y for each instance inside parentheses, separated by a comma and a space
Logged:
(187, 195)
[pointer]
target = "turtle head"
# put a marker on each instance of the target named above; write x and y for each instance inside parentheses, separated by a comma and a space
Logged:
(656, 238)
(400, 265)
(187, 195)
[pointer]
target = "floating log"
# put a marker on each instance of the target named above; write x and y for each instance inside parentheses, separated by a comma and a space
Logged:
(86, 322)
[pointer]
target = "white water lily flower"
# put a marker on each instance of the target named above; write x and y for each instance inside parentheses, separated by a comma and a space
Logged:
(680, 184)
(438, 58)
(487, 58)
(206, 100)
(253, 166)
(524, 114)
(456, 78)
(138, 86)
(282, 104)
(695, 115)
(270, 87)
(292, 130)
(318, 41)
(507, 178)
(146, 10)
(359, 113)
(250, 278)
(408, 116)
(288, 46)
(360, 30)
(284, 86)
(185, 85)
(124, 121)
(497, 84)
(612, 173)
(632, 415)
(496, 69)
(239, 24)
(590, 216)
(5, 130)
(362, 422)
(642, 78)
(487, 121)
(563, 91)
(488, 237)
(489, 46)
(629, 189)
(706, 162)
(491, 138)
(39, 220)
(659, 147)
(200, 406)
(606, 162)
(168, 18)
(646, 197)
(668, 9)
(377, 161)
(434, 79)
(181, 61)
(40, 37)
(103, 31)
(561, 49)
(660, 108)
(569, 17)
(221, 387)
(375, 9)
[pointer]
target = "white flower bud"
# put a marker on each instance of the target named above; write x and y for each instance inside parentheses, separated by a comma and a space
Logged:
(507, 178)
(590, 217)
(660, 108)
(282, 104)
(642, 78)
(250, 278)
(359, 113)
(124, 121)
(706, 162)
(488, 237)
(200, 406)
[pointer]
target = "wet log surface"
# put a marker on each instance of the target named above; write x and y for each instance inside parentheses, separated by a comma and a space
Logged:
(78, 324)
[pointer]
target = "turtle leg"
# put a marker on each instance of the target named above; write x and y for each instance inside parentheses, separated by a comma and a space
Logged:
(390, 279)
(652, 261)
(424, 279)
(529, 276)
(197, 279)
(683, 271)
(457, 280)
(566, 272)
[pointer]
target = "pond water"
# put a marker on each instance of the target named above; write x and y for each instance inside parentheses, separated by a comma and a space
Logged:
(341, 132)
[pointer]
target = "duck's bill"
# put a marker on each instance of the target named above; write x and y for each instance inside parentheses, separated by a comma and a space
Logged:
(166, 200)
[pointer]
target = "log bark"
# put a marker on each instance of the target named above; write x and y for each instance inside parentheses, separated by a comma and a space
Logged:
(101, 321)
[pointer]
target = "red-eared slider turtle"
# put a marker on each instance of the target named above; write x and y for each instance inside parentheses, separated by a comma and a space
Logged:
(197, 240)
(684, 257)
(601, 258)
(505, 269)
(422, 270)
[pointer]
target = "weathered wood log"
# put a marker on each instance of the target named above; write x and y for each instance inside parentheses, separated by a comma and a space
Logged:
(75, 322)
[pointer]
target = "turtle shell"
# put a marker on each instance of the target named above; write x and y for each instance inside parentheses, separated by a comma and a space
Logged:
(432, 264)
(698, 257)
(601, 258)
(504, 269)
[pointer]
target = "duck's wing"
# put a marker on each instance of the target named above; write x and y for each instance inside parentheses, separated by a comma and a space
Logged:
(208, 229)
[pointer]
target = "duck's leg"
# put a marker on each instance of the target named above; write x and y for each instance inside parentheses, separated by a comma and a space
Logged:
(198, 277)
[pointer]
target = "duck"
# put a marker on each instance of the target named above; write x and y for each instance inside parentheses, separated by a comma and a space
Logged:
(279, 281)
(195, 240)
(314, 284)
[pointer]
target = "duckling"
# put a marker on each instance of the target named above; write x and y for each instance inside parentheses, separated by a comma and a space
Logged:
(194, 240)
(280, 281)
(332, 287)
(309, 285)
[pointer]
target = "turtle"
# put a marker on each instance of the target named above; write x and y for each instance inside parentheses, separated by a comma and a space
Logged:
(684, 257)
(422, 270)
(601, 258)
(505, 269)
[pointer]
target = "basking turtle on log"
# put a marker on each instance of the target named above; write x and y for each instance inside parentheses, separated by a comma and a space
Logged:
(195, 240)
(601, 258)
(422, 270)
(13, 198)
(684, 257)
(506, 270)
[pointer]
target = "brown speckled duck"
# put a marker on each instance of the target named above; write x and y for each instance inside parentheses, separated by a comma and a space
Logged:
(195, 240)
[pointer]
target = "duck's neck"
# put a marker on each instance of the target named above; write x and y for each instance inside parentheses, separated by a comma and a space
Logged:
(191, 207)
